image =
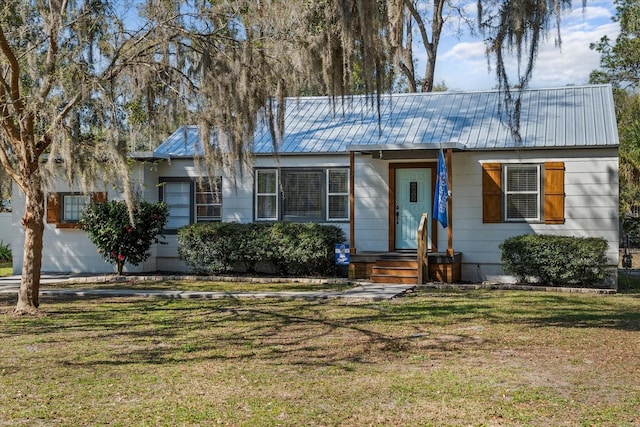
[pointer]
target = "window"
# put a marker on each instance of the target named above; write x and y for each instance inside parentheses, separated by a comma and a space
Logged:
(177, 196)
(209, 200)
(338, 194)
(65, 209)
(302, 195)
(523, 192)
(266, 194)
(191, 201)
(305, 194)
(73, 206)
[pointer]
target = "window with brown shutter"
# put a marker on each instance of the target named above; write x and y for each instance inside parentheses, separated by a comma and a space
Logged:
(67, 216)
(53, 208)
(494, 193)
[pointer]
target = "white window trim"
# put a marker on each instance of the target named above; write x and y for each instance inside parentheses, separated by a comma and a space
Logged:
(278, 194)
(345, 194)
(537, 192)
(273, 194)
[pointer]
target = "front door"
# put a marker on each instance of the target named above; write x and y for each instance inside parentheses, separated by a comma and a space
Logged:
(413, 198)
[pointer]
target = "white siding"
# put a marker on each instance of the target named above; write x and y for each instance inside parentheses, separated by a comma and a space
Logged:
(5, 228)
(237, 197)
(371, 204)
(591, 209)
(64, 250)
(70, 250)
(591, 206)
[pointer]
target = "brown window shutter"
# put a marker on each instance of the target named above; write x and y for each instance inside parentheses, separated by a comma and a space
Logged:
(53, 208)
(99, 197)
(491, 193)
(554, 193)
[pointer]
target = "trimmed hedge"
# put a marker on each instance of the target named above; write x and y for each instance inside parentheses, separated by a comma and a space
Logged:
(288, 248)
(555, 260)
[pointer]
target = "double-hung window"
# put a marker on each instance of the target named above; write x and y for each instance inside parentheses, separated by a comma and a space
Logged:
(522, 192)
(208, 200)
(304, 195)
(267, 194)
(338, 194)
(191, 201)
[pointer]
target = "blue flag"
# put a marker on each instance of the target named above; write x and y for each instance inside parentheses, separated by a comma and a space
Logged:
(442, 192)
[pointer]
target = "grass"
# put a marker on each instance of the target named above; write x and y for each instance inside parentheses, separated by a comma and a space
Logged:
(207, 286)
(430, 358)
(6, 269)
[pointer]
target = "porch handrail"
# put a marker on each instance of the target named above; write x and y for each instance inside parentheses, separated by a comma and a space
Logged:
(423, 259)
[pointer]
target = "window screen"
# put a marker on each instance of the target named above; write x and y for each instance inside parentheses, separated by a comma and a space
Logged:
(209, 200)
(177, 196)
(522, 192)
(266, 194)
(302, 195)
(73, 207)
(338, 194)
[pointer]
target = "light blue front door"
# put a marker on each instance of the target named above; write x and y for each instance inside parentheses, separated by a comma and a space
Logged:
(413, 198)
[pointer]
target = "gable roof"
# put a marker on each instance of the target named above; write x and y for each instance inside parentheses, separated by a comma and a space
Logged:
(566, 117)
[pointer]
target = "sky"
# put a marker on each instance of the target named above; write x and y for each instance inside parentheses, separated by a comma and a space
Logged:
(462, 64)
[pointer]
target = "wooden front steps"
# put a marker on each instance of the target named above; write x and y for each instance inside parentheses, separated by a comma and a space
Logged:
(378, 267)
(395, 268)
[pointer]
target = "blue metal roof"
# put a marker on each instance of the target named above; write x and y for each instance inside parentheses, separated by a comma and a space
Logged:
(566, 117)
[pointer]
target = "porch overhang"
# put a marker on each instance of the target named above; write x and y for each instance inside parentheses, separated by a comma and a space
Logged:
(401, 152)
(404, 151)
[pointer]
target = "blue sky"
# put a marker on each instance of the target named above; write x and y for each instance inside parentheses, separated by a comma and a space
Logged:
(462, 64)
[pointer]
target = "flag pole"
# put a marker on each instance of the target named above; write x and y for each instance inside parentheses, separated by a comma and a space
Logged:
(449, 204)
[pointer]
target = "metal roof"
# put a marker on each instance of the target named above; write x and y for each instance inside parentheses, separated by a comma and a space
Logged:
(566, 117)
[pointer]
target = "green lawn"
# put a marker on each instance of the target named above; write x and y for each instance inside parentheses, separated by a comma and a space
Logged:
(6, 269)
(437, 358)
(207, 286)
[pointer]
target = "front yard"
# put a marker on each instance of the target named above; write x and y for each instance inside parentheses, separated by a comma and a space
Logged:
(429, 358)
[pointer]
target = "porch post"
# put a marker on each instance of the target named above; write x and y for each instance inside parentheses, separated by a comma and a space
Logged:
(352, 202)
(449, 204)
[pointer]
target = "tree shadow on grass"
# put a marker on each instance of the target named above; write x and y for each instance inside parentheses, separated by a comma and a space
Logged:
(326, 333)
(124, 331)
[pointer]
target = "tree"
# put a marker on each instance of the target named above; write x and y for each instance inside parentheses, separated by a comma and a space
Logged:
(120, 240)
(620, 66)
(517, 26)
(82, 81)
(423, 13)
(620, 61)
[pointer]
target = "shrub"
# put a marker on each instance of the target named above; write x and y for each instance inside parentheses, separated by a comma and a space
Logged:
(289, 248)
(555, 260)
(5, 252)
(118, 241)
(208, 247)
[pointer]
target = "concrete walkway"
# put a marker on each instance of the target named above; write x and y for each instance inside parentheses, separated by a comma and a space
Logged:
(363, 291)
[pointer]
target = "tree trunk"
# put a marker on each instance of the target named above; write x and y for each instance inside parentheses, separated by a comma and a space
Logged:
(120, 266)
(427, 84)
(33, 224)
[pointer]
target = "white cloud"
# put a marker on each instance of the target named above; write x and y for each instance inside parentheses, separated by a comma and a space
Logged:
(462, 65)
